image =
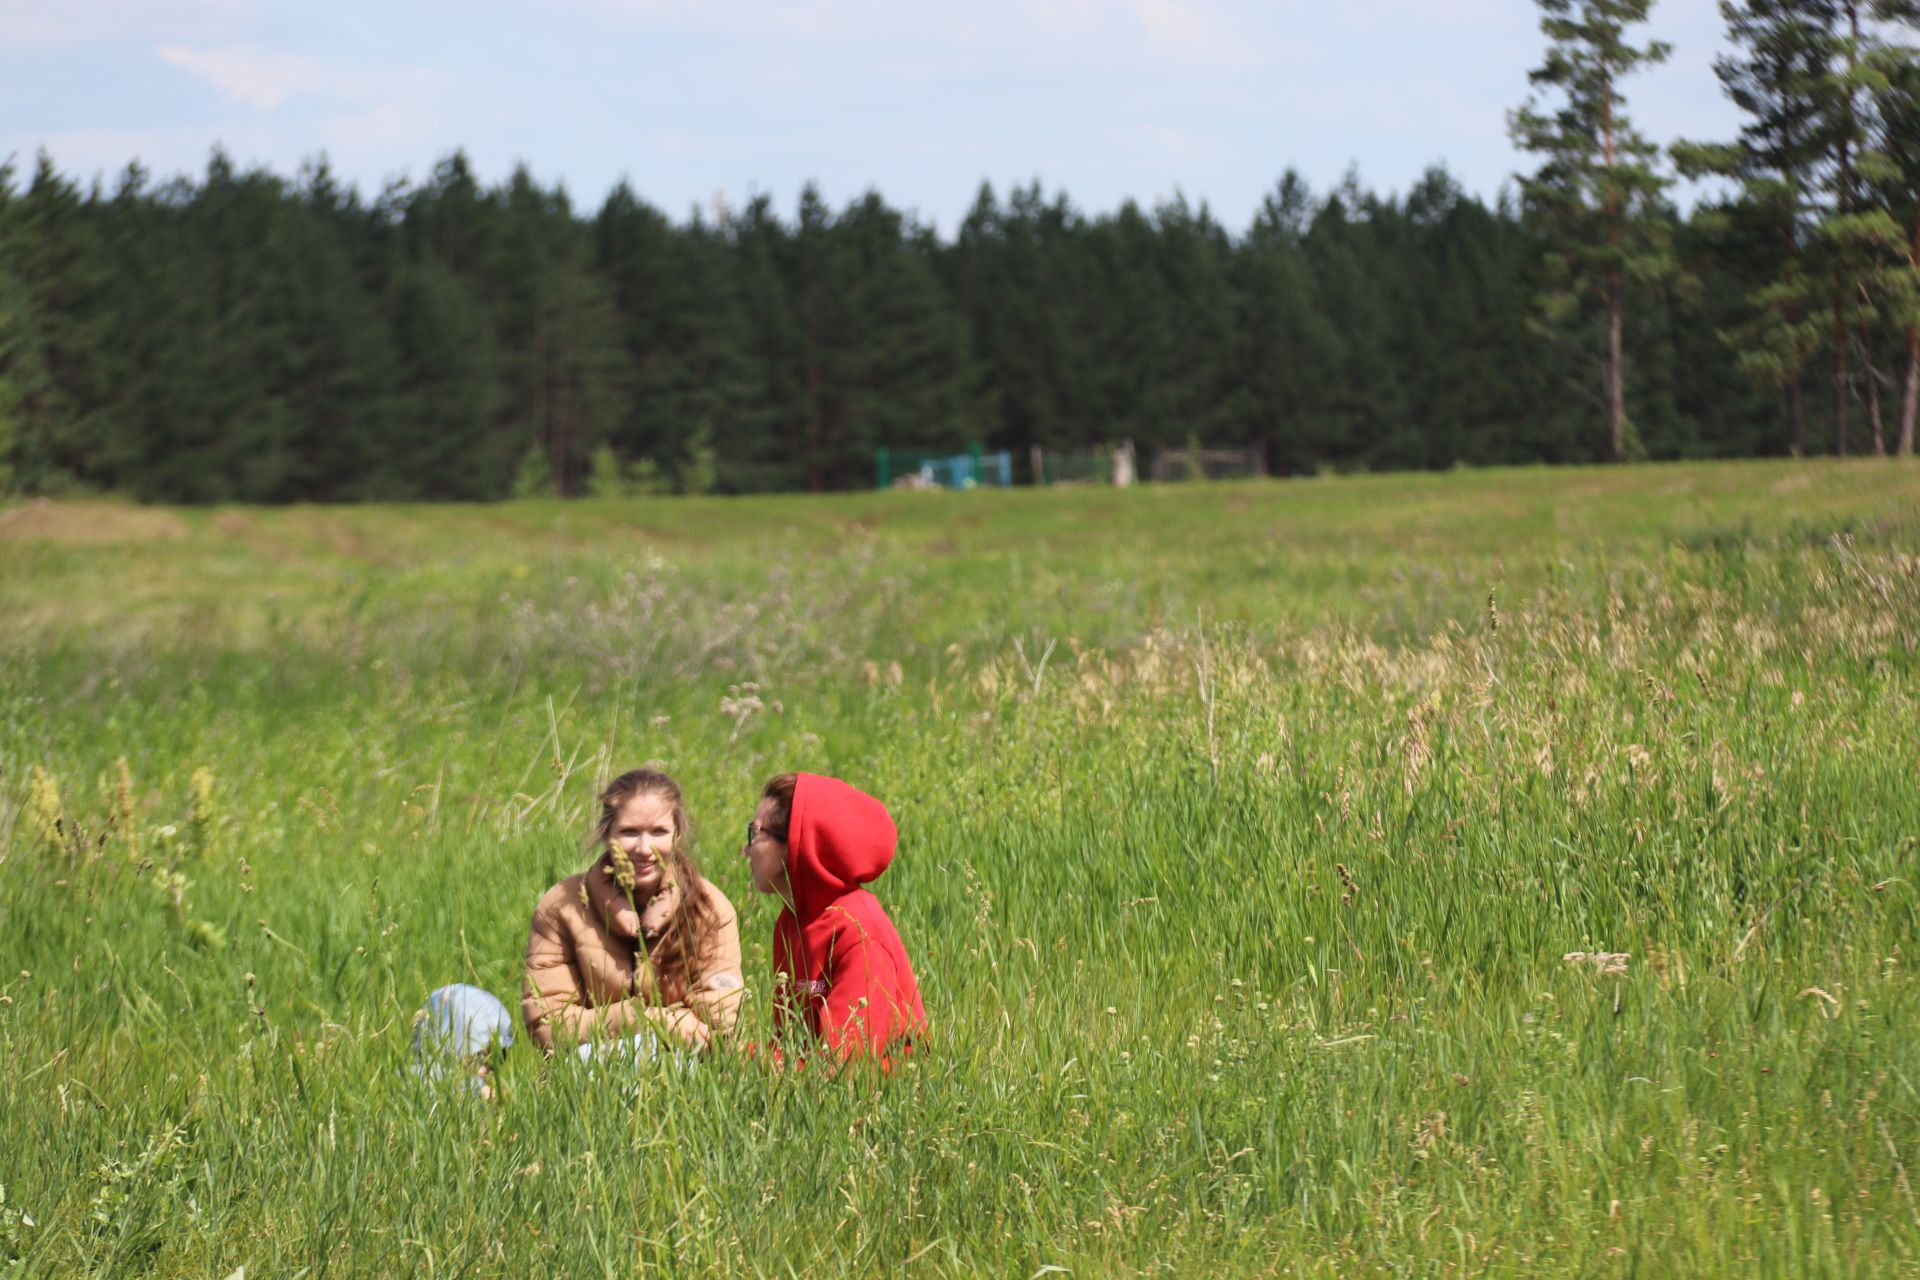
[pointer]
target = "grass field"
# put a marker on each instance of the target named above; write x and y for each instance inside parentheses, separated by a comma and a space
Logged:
(1247, 830)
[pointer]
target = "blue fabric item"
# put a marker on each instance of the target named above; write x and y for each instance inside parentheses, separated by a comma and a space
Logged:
(457, 1023)
(631, 1051)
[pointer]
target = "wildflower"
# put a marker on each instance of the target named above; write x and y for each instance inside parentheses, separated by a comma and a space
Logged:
(120, 812)
(46, 817)
(1419, 747)
(1607, 963)
(203, 811)
(621, 868)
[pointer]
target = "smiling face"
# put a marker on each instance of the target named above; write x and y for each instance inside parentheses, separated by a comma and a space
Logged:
(643, 831)
(767, 854)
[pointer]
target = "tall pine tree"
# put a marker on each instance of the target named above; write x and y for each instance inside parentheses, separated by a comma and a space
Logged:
(1596, 192)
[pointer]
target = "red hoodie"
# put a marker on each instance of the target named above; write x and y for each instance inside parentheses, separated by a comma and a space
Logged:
(845, 971)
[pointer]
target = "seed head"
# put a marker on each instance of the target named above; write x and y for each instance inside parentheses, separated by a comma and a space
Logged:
(46, 816)
(203, 812)
(120, 813)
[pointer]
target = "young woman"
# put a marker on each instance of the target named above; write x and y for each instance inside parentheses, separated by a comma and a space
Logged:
(839, 967)
(638, 941)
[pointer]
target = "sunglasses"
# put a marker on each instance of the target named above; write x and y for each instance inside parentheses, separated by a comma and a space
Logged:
(755, 831)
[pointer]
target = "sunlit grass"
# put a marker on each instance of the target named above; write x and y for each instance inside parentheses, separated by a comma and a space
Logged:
(1246, 831)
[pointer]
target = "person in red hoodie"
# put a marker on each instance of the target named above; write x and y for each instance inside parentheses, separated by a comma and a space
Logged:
(839, 967)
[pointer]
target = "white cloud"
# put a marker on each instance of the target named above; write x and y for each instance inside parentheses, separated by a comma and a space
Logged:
(65, 24)
(266, 80)
(1187, 27)
(1074, 32)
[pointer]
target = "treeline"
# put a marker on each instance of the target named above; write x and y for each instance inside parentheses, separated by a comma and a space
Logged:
(250, 337)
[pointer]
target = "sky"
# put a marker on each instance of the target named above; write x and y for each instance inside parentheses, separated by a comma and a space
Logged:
(704, 102)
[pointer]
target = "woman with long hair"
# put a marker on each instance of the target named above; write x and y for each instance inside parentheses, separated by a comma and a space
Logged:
(638, 941)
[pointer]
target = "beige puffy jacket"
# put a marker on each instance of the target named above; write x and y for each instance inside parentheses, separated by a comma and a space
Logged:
(583, 976)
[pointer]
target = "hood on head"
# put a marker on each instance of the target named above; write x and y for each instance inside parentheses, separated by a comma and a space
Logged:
(837, 839)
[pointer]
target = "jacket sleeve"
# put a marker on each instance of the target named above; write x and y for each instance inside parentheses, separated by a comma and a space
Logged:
(859, 1014)
(552, 999)
(719, 988)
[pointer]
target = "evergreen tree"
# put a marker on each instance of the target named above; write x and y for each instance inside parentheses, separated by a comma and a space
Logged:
(817, 279)
(447, 394)
(58, 331)
(22, 376)
(776, 455)
(1841, 231)
(1782, 53)
(1284, 343)
(1893, 224)
(559, 332)
(1596, 187)
(1364, 407)
(1471, 373)
(1021, 278)
(683, 328)
(910, 366)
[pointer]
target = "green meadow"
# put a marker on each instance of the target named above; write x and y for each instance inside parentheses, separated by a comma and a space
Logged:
(1493, 873)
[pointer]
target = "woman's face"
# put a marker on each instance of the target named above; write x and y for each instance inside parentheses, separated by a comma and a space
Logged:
(643, 831)
(766, 856)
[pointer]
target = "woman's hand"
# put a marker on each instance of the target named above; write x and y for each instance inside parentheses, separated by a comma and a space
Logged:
(682, 1022)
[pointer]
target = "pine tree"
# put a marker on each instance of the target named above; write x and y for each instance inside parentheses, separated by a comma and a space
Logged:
(1893, 226)
(1363, 402)
(447, 395)
(1284, 342)
(51, 247)
(1844, 240)
(21, 376)
(682, 327)
(559, 331)
(448, 304)
(1781, 54)
(1195, 260)
(1596, 187)
(909, 360)
(1021, 276)
(774, 456)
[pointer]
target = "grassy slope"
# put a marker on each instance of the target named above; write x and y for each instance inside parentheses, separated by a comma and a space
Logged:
(1241, 917)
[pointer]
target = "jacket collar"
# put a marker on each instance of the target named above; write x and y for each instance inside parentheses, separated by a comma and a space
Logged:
(607, 902)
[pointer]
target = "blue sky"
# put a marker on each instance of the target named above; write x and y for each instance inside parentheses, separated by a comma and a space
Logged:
(718, 99)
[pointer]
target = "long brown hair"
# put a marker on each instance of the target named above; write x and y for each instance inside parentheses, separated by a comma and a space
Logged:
(674, 952)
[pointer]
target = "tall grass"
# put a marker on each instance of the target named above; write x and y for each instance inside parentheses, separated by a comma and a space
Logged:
(1501, 873)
